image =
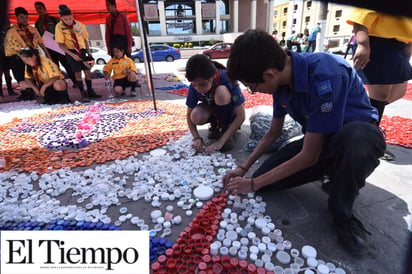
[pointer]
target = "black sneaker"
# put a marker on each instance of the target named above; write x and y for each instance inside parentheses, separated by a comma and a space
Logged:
(388, 156)
(92, 94)
(352, 236)
(326, 184)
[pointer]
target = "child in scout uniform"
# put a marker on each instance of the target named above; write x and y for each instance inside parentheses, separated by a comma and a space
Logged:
(124, 72)
(19, 36)
(71, 35)
(43, 77)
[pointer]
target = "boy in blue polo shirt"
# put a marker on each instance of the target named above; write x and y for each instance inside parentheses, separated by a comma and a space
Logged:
(325, 95)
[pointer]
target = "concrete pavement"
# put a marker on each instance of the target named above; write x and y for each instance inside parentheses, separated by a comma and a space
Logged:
(384, 204)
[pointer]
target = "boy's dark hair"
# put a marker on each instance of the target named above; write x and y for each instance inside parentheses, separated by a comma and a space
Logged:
(200, 66)
(64, 10)
(20, 10)
(38, 3)
(111, 2)
(118, 46)
(29, 51)
(251, 54)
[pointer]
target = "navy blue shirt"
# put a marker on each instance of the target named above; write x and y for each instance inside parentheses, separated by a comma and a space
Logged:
(327, 94)
(193, 97)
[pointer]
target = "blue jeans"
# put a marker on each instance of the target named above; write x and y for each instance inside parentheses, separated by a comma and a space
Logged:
(354, 143)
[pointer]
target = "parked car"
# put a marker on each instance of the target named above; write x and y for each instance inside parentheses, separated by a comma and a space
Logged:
(218, 51)
(100, 56)
(159, 53)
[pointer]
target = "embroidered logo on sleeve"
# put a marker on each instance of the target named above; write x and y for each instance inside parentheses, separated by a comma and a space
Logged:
(324, 90)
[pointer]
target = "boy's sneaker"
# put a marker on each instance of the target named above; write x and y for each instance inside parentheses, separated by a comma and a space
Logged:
(132, 93)
(388, 156)
(85, 97)
(352, 236)
(92, 94)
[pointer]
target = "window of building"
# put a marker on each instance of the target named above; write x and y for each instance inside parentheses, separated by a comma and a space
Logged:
(309, 4)
(294, 21)
(284, 23)
(338, 13)
(336, 28)
(295, 7)
(275, 13)
(285, 10)
(307, 19)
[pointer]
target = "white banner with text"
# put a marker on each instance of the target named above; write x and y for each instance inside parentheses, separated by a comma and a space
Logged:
(75, 252)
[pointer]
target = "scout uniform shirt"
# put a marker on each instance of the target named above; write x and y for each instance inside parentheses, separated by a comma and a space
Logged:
(46, 71)
(325, 95)
(63, 34)
(119, 65)
(19, 37)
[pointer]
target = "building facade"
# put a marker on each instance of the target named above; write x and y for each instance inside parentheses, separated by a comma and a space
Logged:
(204, 20)
(295, 16)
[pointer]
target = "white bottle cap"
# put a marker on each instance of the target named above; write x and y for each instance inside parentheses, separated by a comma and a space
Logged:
(309, 251)
(283, 257)
(155, 214)
(272, 247)
(339, 270)
(214, 249)
(203, 192)
(294, 252)
(253, 256)
(331, 266)
(177, 219)
(278, 269)
(224, 250)
(254, 249)
(266, 258)
(323, 269)
(227, 242)
(262, 247)
(244, 241)
(242, 254)
(259, 263)
(299, 261)
(312, 262)
(232, 235)
(233, 251)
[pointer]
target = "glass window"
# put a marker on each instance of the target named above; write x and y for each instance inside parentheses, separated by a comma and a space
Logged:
(309, 4)
(338, 13)
(285, 10)
(336, 28)
(307, 19)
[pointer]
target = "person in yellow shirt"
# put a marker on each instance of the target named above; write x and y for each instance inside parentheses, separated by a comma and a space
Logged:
(382, 56)
(19, 36)
(44, 77)
(124, 72)
(71, 35)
